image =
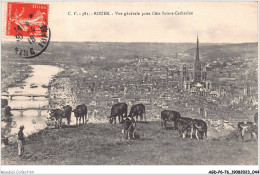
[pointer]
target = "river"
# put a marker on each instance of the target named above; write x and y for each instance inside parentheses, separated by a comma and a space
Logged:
(41, 75)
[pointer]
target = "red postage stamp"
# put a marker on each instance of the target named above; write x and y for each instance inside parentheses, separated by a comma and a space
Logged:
(27, 19)
(28, 24)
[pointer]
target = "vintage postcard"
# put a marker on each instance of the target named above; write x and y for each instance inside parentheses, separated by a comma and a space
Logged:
(129, 83)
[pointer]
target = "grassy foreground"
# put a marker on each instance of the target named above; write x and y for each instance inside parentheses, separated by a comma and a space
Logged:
(102, 144)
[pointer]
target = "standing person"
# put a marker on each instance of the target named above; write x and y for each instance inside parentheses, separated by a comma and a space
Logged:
(21, 141)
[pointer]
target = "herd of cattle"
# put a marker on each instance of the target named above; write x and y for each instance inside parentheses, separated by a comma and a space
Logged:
(185, 125)
(80, 112)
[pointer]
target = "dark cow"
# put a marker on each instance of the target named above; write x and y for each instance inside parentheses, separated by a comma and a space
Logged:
(120, 110)
(168, 116)
(137, 110)
(128, 127)
(67, 112)
(200, 127)
(247, 127)
(81, 111)
(184, 125)
(57, 114)
(8, 111)
(256, 118)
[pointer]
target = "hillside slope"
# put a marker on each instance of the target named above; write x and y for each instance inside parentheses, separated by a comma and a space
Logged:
(102, 144)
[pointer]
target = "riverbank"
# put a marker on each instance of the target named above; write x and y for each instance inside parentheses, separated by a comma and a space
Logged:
(102, 144)
(32, 119)
(59, 90)
(14, 75)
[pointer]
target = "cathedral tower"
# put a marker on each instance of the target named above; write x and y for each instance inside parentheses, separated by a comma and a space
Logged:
(197, 65)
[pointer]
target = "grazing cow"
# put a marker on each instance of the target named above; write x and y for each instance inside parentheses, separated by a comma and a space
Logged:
(247, 127)
(128, 127)
(138, 110)
(81, 111)
(200, 127)
(120, 110)
(57, 114)
(168, 115)
(184, 125)
(8, 111)
(67, 112)
(256, 118)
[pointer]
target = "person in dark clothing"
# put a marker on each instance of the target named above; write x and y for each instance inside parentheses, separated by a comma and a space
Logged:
(21, 141)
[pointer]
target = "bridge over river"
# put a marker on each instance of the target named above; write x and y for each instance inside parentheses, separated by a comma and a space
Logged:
(32, 96)
(39, 109)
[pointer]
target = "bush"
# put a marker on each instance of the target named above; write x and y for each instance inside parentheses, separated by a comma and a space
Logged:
(4, 102)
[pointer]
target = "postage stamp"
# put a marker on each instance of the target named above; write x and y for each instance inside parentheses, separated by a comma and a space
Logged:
(28, 23)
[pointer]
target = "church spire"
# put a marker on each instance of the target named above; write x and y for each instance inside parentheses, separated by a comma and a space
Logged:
(197, 51)
(197, 64)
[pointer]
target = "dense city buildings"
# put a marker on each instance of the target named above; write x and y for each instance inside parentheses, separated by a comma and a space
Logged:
(189, 80)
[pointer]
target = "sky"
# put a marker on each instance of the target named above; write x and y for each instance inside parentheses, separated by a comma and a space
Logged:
(214, 22)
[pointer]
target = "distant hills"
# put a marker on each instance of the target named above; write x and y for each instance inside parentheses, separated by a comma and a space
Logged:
(111, 52)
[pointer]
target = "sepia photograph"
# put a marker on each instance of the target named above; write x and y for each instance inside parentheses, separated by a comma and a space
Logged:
(129, 83)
